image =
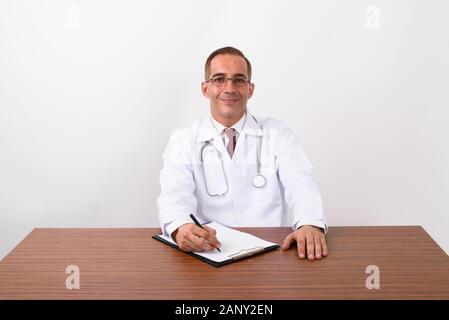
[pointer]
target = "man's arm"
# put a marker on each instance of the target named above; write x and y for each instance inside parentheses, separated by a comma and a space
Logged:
(177, 199)
(303, 198)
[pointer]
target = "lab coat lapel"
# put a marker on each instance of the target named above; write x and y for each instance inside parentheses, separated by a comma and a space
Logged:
(208, 132)
(250, 128)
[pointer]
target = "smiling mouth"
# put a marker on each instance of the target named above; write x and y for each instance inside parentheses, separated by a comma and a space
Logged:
(229, 101)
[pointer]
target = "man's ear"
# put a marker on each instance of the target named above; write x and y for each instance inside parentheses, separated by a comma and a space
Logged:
(251, 90)
(205, 89)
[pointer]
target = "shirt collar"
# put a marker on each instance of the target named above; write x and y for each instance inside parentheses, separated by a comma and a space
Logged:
(237, 126)
(208, 130)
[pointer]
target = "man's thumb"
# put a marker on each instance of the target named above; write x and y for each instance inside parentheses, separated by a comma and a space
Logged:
(287, 242)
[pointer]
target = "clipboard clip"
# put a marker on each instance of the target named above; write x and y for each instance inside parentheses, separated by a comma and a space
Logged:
(246, 253)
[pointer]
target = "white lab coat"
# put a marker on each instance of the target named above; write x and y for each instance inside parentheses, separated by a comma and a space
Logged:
(289, 180)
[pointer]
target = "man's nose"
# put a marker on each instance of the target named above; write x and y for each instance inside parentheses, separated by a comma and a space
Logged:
(229, 86)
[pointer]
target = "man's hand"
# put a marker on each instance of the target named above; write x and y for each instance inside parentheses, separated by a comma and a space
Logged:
(190, 237)
(310, 239)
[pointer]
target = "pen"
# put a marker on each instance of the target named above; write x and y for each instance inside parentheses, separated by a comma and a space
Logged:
(199, 225)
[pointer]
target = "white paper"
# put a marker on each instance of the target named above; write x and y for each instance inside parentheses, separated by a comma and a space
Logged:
(232, 242)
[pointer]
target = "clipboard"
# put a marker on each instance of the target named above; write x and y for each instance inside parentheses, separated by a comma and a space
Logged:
(236, 245)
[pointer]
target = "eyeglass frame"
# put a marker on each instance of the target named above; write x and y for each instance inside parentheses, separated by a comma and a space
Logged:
(247, 81)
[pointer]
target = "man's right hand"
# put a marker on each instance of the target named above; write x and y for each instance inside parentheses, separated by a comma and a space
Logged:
(190, 237)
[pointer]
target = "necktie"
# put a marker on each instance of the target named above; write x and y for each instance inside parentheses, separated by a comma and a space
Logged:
(231, 133)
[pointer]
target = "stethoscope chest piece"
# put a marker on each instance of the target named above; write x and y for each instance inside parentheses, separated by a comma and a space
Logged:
(259, 181)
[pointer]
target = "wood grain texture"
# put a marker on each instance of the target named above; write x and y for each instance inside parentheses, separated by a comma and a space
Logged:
(129, 264)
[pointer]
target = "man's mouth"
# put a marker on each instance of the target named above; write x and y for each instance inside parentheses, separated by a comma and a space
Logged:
(229, 100)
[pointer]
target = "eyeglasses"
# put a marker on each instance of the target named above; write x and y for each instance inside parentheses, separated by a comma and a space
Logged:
(219, 81)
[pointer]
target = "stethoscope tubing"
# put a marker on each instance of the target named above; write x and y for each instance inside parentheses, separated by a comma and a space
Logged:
(258, 181)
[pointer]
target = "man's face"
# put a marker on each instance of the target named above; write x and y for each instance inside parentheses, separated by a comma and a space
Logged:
(228, 101)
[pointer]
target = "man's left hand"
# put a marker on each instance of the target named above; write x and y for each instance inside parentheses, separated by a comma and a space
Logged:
(309, 239)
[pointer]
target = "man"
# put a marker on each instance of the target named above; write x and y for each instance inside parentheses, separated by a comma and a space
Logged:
(238, 169)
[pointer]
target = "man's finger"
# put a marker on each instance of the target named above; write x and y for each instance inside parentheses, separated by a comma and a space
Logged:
(310, 247)
(211, 237)
(301, 244)
(199, 243)
(207, 235)
(323, 245)
(287, 242)
(186, 245)
(318, 254)
(199, 232)
(210, 230)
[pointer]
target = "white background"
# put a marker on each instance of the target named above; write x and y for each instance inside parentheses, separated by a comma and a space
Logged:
(90, 91)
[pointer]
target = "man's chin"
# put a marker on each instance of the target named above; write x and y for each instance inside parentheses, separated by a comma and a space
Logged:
(232, 108)
(231, 112)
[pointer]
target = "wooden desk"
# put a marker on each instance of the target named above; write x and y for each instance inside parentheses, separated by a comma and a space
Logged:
(129, 264)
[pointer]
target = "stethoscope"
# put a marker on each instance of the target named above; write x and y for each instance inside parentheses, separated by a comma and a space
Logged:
(259, 180)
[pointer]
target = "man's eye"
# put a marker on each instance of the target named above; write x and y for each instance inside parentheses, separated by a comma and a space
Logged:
(219, 80)
(239, 80)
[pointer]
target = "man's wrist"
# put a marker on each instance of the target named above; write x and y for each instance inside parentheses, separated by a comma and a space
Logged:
(316, 227)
